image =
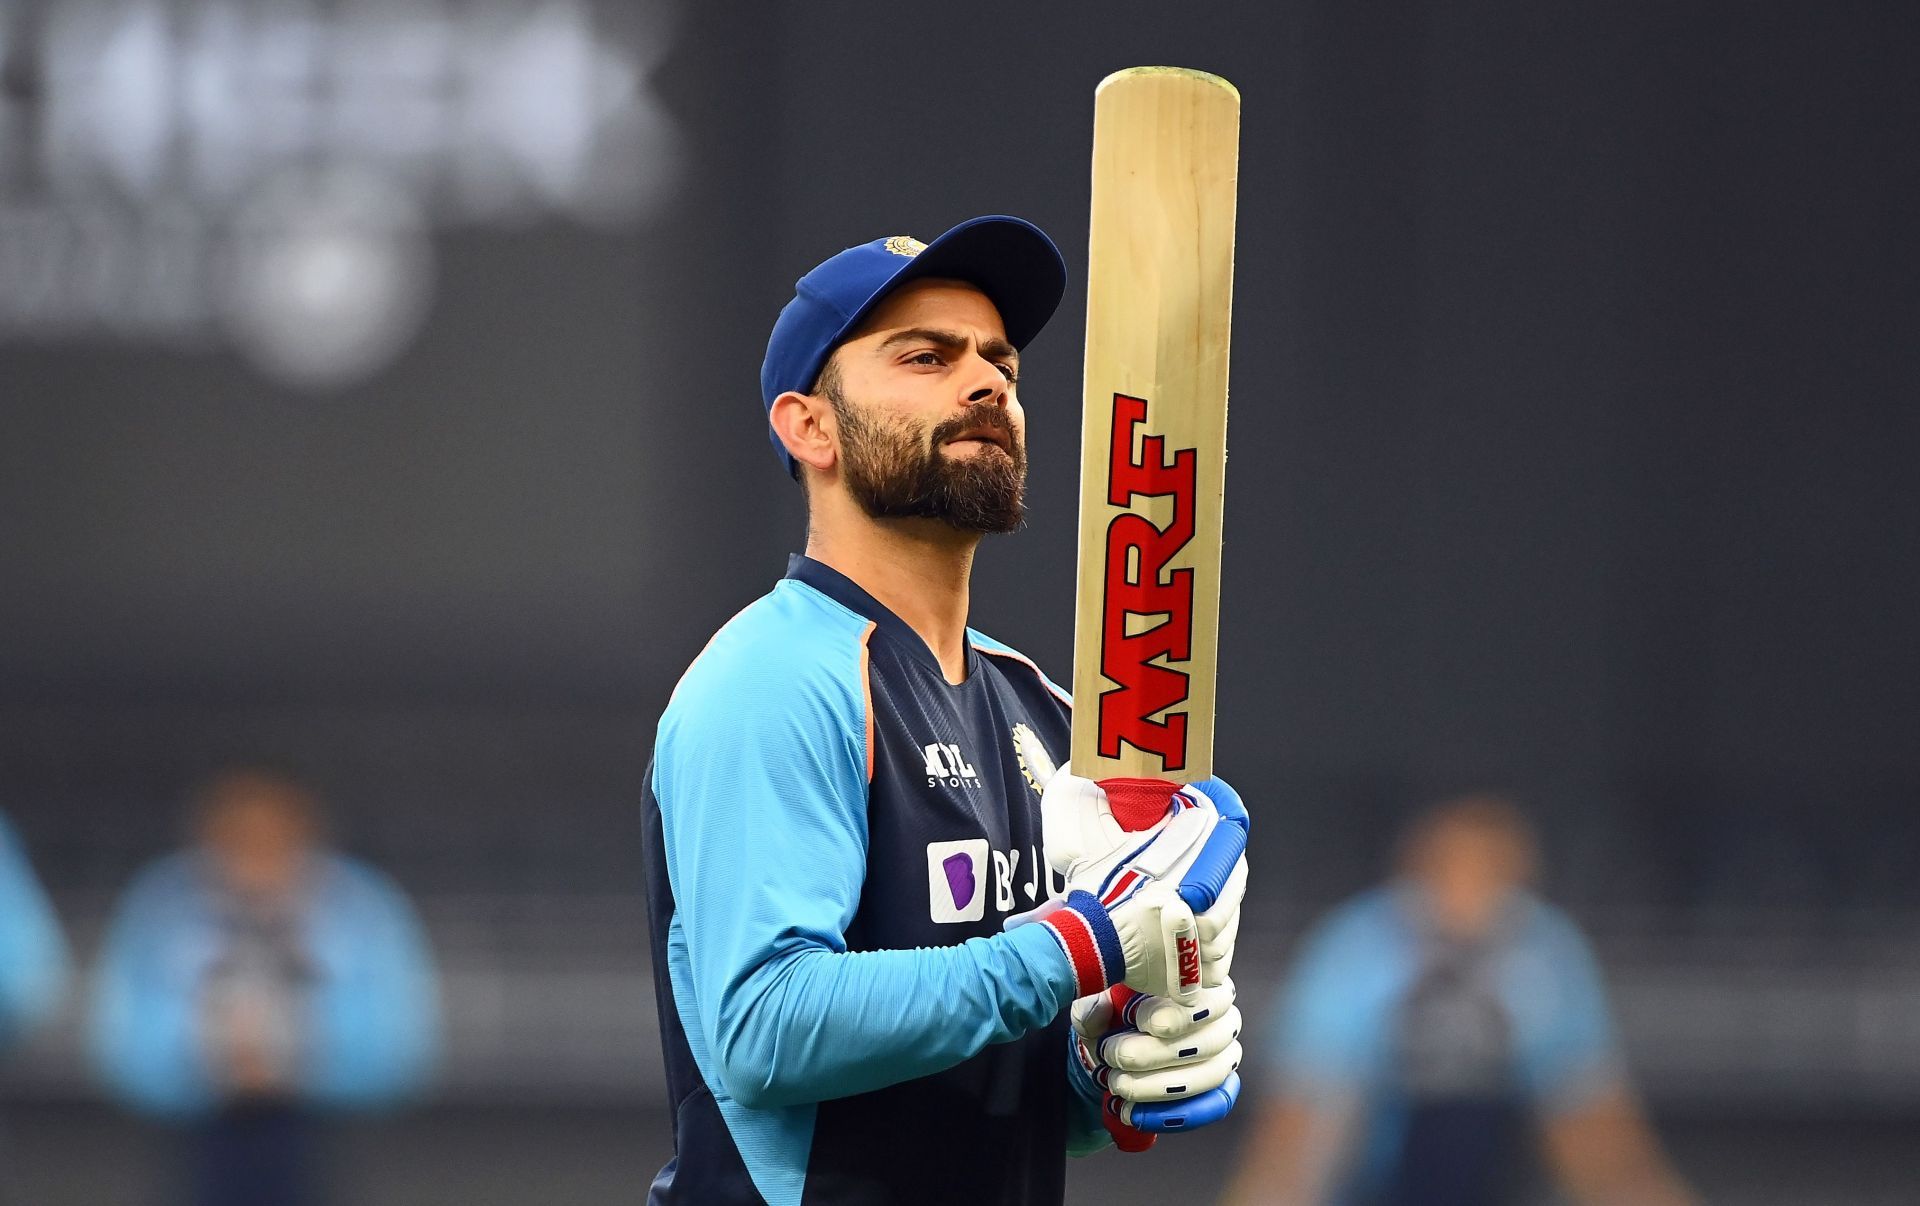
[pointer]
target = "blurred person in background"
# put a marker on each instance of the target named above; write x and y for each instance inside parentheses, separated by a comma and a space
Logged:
(256, 981)
(33, 958)
(1442, 1036)
(33, 954)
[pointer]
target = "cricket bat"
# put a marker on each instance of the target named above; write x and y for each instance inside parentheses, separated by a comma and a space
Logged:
(1153, 444)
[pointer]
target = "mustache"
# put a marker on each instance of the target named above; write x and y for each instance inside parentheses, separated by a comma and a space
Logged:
(981, 414)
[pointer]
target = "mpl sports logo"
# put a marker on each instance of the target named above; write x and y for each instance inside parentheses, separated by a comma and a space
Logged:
(946, 766)
(1139, 583)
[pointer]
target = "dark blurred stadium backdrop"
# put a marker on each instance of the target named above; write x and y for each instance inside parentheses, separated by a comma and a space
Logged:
(378, 393)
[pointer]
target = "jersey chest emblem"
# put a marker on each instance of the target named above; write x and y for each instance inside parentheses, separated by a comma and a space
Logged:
(947, 766)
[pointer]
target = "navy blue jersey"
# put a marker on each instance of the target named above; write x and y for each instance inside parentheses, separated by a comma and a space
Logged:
(834, 836)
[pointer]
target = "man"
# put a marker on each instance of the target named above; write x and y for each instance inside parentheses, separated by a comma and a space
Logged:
(1438, 1035)
(33, 954)
(845, 806)
(256, 981)
(33, 962)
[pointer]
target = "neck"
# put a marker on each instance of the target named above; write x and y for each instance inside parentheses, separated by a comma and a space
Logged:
(918, 569)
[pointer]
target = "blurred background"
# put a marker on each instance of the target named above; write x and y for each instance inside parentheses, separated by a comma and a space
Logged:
(378, 399)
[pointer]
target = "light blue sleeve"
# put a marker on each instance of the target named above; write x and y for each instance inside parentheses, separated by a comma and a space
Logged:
(760, 770)
(143, 1032)
(33, 954)
(376, 1010)
(1328, 1033)
(1567, 1045)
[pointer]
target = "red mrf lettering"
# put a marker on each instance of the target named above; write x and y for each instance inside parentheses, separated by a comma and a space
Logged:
(1189, 949)
(1141, 586)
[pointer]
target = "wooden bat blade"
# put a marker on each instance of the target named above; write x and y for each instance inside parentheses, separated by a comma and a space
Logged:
(1153, 436)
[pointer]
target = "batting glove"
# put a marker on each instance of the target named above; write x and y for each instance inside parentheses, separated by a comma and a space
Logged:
(1128, 915)
(1163, 1065)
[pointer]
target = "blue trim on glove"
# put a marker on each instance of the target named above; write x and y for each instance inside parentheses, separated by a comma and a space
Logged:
(1188, 1114)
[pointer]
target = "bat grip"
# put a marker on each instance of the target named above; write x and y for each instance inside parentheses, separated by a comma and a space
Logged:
(1137, 804)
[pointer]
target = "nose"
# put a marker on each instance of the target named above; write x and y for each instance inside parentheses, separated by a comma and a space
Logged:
(988, 382)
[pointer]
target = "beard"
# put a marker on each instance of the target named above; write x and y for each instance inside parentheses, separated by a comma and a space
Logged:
(893, 473)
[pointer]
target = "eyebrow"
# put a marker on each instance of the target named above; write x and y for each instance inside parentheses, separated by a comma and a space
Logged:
(993, 348)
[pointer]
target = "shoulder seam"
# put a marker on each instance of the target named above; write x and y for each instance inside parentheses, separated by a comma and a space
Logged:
(1024, 660)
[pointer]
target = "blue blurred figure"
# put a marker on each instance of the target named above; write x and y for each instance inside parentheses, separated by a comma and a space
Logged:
(1444, 1038)
(257, 981)
(33, 958)
(33, 954)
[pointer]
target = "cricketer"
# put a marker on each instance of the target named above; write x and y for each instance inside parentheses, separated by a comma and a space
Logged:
(883, 925)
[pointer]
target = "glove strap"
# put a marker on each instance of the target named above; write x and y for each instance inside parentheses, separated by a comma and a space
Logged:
(1086, 933)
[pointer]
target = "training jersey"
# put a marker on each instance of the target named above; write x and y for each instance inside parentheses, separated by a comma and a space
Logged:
(1447, 1051)
(834, 836)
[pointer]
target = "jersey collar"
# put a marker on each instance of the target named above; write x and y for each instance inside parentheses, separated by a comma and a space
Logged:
(846, 592)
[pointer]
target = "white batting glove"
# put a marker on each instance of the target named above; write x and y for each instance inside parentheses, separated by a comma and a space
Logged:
(1164, 1065)
(1126, 916)
(1121, 920)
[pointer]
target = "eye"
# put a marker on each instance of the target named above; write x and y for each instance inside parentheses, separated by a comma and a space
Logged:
(1008, 371)
(928, 357)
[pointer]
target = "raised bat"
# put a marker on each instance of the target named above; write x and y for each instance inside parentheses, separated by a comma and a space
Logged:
(1154, 441)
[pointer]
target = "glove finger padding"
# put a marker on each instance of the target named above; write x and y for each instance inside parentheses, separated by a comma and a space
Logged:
(1155, 929)
(1225, 910)
(1166, 1018)
(1216, 956)
(1132, 1051)
(1168, 1084)
(1092, 1016)
(1185, 1114)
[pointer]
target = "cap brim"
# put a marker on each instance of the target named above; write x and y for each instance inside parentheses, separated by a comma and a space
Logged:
(1009, 259)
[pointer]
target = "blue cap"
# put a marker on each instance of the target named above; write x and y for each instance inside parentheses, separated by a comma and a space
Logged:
(1010, 260)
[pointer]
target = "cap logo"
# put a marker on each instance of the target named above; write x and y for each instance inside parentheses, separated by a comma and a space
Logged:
(905, 245)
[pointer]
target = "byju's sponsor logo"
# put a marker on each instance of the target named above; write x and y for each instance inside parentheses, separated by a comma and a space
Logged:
(948, 767)
(957, 879)
(961, 874)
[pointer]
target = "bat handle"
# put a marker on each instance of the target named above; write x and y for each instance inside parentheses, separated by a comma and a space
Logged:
(1137, 804)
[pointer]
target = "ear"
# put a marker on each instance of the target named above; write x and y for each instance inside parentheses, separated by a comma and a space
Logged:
(804, 424)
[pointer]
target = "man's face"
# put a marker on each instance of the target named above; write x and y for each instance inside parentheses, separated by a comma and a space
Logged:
(259, 837)
(929, 424)
(1469, 871)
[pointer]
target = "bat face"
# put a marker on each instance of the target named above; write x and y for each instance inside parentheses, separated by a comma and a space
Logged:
(1153, 436)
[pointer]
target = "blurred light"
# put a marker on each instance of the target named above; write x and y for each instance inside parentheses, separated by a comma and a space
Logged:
(328, 277)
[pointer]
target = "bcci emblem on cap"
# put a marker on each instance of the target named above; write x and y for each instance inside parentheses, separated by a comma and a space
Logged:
(905, 245)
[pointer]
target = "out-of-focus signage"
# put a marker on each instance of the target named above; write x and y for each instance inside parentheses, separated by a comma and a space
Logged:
(266, 175)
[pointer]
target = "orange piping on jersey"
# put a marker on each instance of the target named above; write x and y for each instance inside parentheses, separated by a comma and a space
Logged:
(1026, 661)
(866, 688)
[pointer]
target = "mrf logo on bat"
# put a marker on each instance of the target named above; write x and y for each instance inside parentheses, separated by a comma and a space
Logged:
(1139, 586)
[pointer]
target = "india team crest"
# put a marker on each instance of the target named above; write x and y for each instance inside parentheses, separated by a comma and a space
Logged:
(905, 245)
(1035, 763)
